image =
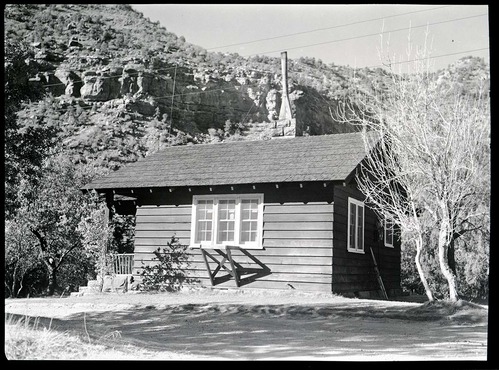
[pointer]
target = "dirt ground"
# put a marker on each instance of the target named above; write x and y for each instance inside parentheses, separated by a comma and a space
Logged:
(266, 325)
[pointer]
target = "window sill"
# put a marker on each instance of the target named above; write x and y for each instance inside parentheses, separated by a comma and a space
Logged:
(389, 246)
(358, 251)
(225, 246)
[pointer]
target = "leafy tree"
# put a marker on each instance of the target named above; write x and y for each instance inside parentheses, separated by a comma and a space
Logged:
(21, 257)
(34, 138)
(24, 146)
(123, 231)
(97, 240)
(230, 128)
(52, 211)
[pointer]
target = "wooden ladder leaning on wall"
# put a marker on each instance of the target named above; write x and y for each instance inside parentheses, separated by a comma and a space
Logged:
(380, 281)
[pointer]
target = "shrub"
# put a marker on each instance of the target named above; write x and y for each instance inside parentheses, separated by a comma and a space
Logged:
(168, 274)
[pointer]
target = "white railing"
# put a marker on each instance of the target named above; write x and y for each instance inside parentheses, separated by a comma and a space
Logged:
(123, 263)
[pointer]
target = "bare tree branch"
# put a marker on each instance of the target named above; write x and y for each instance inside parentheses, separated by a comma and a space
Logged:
(428, 149)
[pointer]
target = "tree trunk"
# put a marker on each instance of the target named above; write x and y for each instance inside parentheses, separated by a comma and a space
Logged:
(444, 240)
(13, 289)
(8, 288)
(108, 218)
(49, 262)
(52, 284)
(20, 286)
(451, 256)
(422, 277)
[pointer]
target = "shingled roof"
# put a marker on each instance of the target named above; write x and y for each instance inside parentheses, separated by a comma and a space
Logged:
(308, 158)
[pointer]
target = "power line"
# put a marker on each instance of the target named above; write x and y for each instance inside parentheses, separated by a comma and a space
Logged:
(236, 89)
(229, 88)
(252, 105)
(373, 66)
(431, 57)
(367, 35)
(178, 106)
(326, 28)
(299, 47)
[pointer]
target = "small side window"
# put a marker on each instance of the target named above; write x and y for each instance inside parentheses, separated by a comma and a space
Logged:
(388, 233)
(355, 237)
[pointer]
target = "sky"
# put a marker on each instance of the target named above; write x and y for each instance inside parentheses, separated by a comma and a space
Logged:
(349, 35)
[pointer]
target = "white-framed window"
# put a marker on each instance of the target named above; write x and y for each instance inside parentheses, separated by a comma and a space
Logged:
(388, 233)
(355, 237)
(232, 219)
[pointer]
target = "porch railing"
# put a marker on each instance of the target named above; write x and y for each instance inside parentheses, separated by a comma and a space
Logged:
(123, 263)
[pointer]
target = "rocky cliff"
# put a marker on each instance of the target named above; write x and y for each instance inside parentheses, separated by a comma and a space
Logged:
(205, 98)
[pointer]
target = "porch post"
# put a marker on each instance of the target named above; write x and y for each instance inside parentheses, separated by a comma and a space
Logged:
(105, 247)
(108, 211)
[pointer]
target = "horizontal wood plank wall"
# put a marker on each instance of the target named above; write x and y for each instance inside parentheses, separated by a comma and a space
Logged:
(300, 238)
(155, 225)
(354, 272)
(297, 238)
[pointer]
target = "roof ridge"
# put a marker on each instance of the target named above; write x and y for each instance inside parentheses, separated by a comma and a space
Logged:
(273, 140)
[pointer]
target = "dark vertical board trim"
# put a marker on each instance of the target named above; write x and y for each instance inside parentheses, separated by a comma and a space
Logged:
(358, 269)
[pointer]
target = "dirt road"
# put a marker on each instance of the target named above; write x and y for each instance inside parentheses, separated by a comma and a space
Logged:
(235, 326)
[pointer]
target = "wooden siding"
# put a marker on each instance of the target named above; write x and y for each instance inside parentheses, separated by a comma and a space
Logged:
(354, 272)
(298, 238)
(155, 225)
(297, 241)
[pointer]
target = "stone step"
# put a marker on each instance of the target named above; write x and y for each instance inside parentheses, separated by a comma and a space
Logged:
(93, 283)
(112, 284)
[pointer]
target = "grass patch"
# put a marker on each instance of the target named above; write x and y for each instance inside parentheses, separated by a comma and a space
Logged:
(27, 339)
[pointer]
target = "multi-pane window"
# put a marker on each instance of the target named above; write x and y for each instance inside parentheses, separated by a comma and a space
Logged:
(227, 220)
(204, 216)
(249, 220)
(355, 232)
(388, 233)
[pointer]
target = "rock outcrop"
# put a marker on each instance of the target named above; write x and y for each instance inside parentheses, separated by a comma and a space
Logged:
(70, 80)
(205, 99)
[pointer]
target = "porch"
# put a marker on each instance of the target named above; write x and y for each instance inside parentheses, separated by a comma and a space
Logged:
(119, 281)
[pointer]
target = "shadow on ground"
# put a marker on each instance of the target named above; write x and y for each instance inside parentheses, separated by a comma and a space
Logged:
(241, 332)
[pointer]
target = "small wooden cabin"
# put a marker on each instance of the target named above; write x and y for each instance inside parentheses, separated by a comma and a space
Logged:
(282, 213)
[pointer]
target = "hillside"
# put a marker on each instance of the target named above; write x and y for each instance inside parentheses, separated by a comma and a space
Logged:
(121, 86)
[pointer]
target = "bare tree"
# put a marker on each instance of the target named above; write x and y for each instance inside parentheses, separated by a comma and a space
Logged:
(430, 166)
